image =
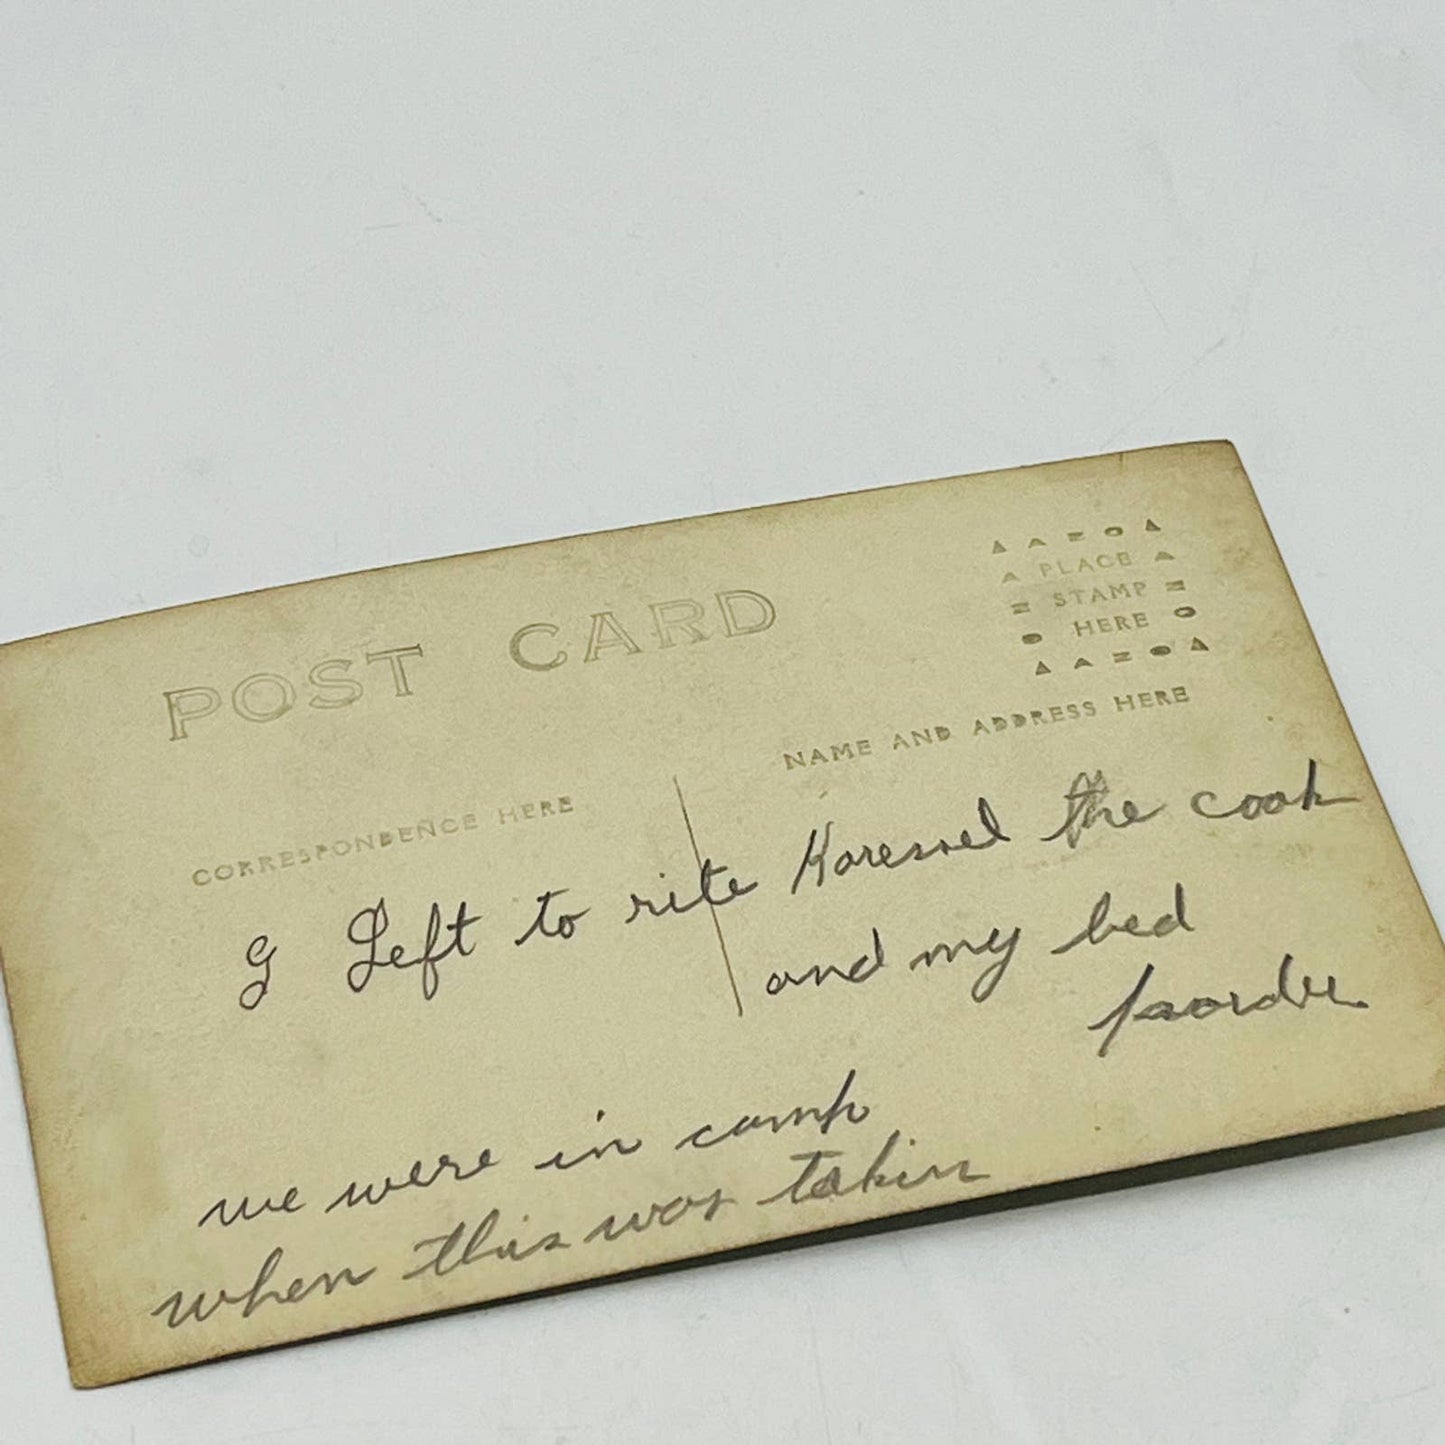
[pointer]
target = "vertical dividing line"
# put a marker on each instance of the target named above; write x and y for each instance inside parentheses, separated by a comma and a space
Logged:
(711, 907)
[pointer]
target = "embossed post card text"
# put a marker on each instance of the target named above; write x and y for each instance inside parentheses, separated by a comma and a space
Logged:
(399, 941)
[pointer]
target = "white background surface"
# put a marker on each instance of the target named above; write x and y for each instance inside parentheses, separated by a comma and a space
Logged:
(289, 290)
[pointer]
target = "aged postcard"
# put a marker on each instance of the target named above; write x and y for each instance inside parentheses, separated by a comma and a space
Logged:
(432, 935)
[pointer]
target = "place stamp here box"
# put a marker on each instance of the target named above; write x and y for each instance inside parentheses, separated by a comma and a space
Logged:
(400, 941)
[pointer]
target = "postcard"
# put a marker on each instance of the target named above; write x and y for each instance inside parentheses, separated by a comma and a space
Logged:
(434, 935)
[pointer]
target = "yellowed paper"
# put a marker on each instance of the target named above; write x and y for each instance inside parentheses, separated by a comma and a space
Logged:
(426, 936)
